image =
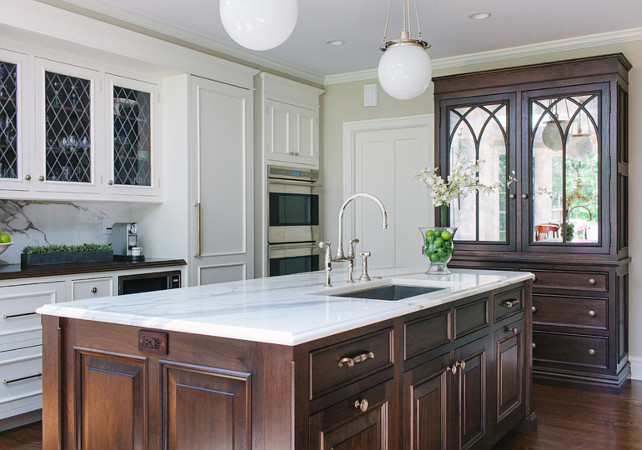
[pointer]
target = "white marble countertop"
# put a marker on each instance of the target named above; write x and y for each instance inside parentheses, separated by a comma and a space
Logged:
(286, 310)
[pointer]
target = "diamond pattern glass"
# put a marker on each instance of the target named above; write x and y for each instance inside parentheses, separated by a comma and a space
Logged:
(132, 137)
(68, 128)
(8, 120)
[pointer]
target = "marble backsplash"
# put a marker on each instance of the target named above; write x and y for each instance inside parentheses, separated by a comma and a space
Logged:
(43, 223)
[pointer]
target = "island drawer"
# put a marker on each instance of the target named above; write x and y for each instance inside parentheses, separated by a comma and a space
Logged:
(343, 363)
(569, 349)
(91, 288)
(508, 303)
(581, 281)
(470, 317)
(426, 333)
(570, 311)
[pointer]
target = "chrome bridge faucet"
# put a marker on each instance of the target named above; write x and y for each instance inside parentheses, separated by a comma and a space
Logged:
(340, 256)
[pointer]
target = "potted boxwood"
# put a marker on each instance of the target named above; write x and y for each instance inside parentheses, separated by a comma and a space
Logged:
(65, 254)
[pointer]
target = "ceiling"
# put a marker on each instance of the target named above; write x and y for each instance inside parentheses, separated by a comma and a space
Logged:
(360, 23)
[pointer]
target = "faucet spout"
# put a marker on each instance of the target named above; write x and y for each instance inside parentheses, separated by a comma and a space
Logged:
(384, 224)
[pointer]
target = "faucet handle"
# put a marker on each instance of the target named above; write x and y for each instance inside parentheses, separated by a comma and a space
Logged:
(364, 274)
(351, 247)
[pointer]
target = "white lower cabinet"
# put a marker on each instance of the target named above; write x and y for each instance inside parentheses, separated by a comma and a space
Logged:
(20, 381)
(91, 288)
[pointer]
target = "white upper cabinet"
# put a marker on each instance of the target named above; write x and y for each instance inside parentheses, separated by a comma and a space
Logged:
(66, 139)
(76, 133)
(132, 164)
(14, 92)
(289, 125)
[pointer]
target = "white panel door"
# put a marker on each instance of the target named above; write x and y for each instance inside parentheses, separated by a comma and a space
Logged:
(222, 186)
(385, 162)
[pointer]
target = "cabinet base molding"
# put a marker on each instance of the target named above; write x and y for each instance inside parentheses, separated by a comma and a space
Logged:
(607, 384)
(20, 420)
(528, 425)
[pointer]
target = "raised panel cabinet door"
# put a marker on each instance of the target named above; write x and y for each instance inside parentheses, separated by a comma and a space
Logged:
(509, 351)
(205, 408)
(360, 422)
(426, 407)
(469, 395)
(111, 400)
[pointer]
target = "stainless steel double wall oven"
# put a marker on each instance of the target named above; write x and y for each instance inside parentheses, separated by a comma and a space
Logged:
(293, 212)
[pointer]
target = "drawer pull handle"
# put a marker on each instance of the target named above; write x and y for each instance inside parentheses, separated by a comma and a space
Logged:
(510, 303)
(512, 330)
(362, 405)
(592, 313)
(592, 281)
(356, 359)
(534, 309)
(591, 351)
(94, 290)
(14, 316)
(15, 380)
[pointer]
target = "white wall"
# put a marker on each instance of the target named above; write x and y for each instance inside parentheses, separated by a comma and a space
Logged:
(343, 103)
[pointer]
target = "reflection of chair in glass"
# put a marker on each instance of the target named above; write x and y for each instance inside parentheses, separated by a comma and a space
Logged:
(546, 231)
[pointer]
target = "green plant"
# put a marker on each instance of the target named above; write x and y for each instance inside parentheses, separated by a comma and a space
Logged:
(570, 231)
(38, 249)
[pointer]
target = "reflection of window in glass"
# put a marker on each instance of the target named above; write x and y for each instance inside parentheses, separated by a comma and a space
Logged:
(479, 133)
(565, 168)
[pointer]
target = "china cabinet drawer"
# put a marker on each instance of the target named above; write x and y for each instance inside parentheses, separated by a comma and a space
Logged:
(470, 317)
(508, 303)
(20, 381)
(426, 333)
(569, 349)
(92, 288)
(345, 362)
(582, 281)
(569, 311)
(19, 322)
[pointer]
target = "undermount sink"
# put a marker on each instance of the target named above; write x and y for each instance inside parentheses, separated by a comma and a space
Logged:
(391, 292)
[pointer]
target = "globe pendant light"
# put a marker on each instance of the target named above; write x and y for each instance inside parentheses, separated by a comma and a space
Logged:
(579, 145)
(259, 24)
(405, 69)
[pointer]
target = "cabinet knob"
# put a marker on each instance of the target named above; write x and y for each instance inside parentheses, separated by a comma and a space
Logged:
(94, 290)
(292, 154)
(362, 405)
(28, 177)
(452, 369)
(534, 309)
(591, 351)
(110, 182)
(510, 303)
(524, 196)
(592, 313)
(41, 178)
(461, 364)
(512, 196)
(514, 330)
(592, 281)
(533, 345)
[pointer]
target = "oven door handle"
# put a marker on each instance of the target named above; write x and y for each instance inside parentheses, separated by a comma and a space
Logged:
(198, 230)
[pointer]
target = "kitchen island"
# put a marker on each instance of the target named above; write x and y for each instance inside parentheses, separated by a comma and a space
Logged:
(284, 362)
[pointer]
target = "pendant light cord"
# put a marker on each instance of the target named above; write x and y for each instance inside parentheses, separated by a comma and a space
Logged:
(385, 30)
(418, 24)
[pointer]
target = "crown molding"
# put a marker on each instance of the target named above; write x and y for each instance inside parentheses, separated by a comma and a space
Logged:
(593, 40)
(160, 30)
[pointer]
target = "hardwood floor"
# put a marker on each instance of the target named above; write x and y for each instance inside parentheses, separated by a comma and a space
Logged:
(568, 419)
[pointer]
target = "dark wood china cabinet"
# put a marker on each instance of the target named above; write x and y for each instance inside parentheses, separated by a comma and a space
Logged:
(562, 129)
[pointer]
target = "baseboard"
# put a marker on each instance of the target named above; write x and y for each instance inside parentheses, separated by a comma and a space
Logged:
(20, 420)
(636, 367)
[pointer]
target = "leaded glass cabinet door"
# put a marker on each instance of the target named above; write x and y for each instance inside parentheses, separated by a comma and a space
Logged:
(568, 176)
(14, 159)
(132, 167)
(482, 130)
(66, 152)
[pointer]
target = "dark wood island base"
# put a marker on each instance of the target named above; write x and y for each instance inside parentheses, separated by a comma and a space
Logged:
(457, 375)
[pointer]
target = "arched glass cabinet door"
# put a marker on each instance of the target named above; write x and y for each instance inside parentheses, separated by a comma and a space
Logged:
(481, 130)
(567, 171)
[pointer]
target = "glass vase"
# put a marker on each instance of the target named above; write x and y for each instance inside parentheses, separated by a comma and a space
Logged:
(437, 248)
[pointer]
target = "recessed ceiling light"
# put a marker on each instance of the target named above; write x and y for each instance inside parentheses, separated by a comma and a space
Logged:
(480, 16)
(335, 42)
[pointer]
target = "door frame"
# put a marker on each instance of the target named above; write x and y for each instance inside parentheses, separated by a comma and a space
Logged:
(350, 130)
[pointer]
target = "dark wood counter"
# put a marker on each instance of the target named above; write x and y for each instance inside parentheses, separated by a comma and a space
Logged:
(15, 271)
